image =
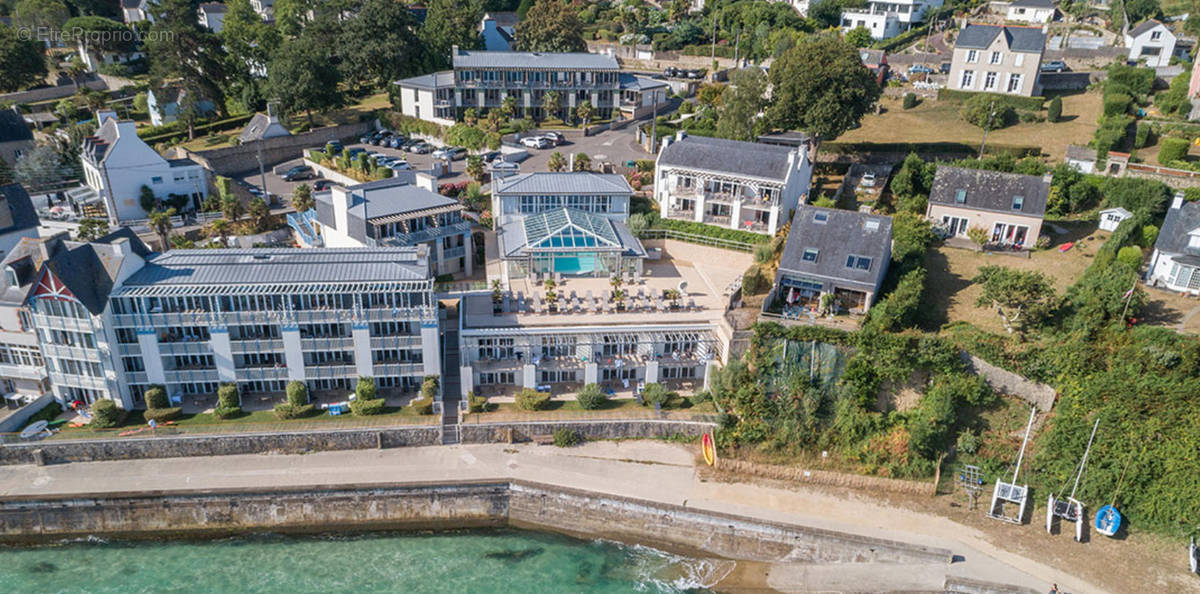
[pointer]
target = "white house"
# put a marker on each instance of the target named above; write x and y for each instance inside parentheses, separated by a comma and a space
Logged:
(94, 59)
(212, 16)
(997, 59)
(164, 104)
(730, 183)
(1081, 158)
(1151, 43)
(499, 30)
(1175, 263)
(1031, 11)
(1111, 218)
(133, 11)
(116, 164)
(886, 19)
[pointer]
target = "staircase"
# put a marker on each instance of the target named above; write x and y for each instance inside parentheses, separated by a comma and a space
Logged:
(451, 386)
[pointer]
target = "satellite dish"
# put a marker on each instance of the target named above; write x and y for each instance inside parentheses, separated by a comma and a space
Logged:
(683, 287)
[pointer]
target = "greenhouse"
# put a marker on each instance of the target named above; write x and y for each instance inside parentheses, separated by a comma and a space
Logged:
(569, 242)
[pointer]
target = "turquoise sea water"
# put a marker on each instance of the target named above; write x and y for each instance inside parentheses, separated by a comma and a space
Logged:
(459, 562)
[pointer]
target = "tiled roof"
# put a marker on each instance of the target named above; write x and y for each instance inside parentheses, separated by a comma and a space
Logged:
(1143, 27)
(1020, 39)
(262, 126)
(1032, 3)
(1179, 222)
(579, 182)
(752, 159)
(433, 80)
(13, 127)
(841, 234)
(990, 190)
(534, 60)
(19, 212)
(267, 266)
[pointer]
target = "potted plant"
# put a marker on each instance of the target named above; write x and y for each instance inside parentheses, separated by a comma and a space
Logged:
(552, 300)
(828, 303)
(673, 296)
(550, 284)
(619, 298)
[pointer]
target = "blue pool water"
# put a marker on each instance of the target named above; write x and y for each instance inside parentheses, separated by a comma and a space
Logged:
(576, 265)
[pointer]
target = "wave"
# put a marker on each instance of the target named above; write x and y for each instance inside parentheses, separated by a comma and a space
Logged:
(655, 570)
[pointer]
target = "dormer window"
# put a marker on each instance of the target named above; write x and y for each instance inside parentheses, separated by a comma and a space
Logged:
(10, 275)
(960, 197)
(1018, 202)
(810, 255)
(858, 263)
(820, 218)
(871, 225)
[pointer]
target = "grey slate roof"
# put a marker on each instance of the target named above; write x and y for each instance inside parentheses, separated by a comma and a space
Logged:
(871, 57)
(1080, 153)
(261, 126)
(1173, 238)
(212, 7)
(990, 190)
(534, 60)
(19, 212)
(639, 83)
(735, 157)
(89, 270)
(1144, 26)
(434, 80)
(1020, 39)
(96, 147)
(556, 183)
(844, 233)
(13, 127)
(1033, 3)
(272, 266)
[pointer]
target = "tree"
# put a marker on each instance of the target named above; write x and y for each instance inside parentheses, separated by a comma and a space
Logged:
(475, 169)
(494, 120)
(551, 103)
(291, 15)
(468, 137)
(1173, 149)
(180, 49)
(146, 199)
(584, 112)
(160, 221)
(231, 207)
(98, 34)
(508, 107)
(1136, 10)
(21, 60)
(550, 26)
(858, 37)
(249, 41)
(380, 45)
(219, 229)
(556, 162)
(820, 86)
(302, 199)
(301, 78)
(591, 397)
(259, 213)
(986, 113)
(40, 168)
(90, 229)
(470, 116)
(33, 15)
(449, 23)
(583, 162)
(1054, 110)
(1021, 298)
(737, 117)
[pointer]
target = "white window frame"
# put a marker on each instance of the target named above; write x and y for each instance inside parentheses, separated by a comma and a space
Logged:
(968, 79)
(972, 56)
(996, 58)
(989, 81)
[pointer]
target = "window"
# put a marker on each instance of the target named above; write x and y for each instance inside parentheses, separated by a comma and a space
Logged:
(871, 225)
(968, 79)
(858, 263)
(1155, 36)
(989, 81)
(960, 197)
(1014, 83)
(156, 180)
(995, 58)
(820, 218)
(10, 275)
(810, 255)
(972, 56)
(1018, 59)
(1018, 201)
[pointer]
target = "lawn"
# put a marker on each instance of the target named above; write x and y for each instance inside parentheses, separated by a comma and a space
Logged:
(939, 121)
(346, 115)
(951, 296)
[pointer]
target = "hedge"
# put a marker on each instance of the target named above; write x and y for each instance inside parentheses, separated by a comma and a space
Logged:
(291, 411)
(162, 415)
(367, 407)
(201, 130)
(711, 231)
(530, 399)
(423, 406)
(106, 413)
(1017, 151)
(1016, 102)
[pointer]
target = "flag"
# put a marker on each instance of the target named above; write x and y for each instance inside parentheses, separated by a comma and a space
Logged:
(1127, 294)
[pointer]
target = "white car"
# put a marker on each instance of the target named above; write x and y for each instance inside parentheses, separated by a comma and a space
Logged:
(400, 166)
(867, 181)
(538, 142)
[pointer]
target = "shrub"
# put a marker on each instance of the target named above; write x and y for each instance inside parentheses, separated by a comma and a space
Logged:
(365, 390)
(429, 387)
(565, 438)
(910, 100)
(1173, 149)
(227, 412)
(106, 413)
(1116, 104)
(899, 309)
(228, 397)
(156, 397)
(1141, 136)
(477, 404)
(1149, 236)
(291, 411)
(713, 231)
(162, 415)
(763, 253)
(423, 406)
(1130, 256)
(987, 113)
(656, 394)
(591, 397)
(1054, 110)
(754, 282)
(365, 407)
(297, 394)
(530, 399)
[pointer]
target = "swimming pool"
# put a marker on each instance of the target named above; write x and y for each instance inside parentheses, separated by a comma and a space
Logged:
(577, 265)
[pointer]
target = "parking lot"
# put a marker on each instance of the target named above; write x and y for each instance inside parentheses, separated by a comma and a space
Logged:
(613, 146)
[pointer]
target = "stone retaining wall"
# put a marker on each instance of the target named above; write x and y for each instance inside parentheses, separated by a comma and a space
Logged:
(615, 429)
(1007, 382)
(52, 452)
(243, 158)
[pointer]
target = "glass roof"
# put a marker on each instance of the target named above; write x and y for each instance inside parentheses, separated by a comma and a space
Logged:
(569, 228)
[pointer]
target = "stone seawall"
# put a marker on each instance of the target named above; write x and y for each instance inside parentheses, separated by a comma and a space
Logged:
(615, 429)
(424, 506)
(179, 446)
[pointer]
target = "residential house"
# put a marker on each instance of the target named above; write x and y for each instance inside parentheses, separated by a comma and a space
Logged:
(1175, 263)
(264, 9)
(395, 212)
(212, 16)
(1081, 158)
(876, 62)
(1151, 44)
(263, 126)
(23, 374)
(164, 104)
(117, 164)
(133, 11)
(641, 96)
(520, 195)
(1031, 11)
(730, 183)
(998, 59)
(1194, 91)
(15, 137)
(482, 80)
(499, 31)
(1008, 206)
(843, 253)
(18, 217)
(95, 57)
(800, 6)
(115, 319)
(1111, 218)
(885, 19)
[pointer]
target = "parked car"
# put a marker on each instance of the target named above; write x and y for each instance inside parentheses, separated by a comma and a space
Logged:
(671, 71)
(254, 191)
(384, 160)
(367, 138)
(695, 74)
(538, 142)
(421, 148)
(919, 69)
(867, 180)
(1054, 66)
(400, 165)
(384, 138)
(944, 68)
(298, 173)
(555, 137)
(451, 153)
(321, 185)
(490, 156)
(353, 152)
(334, 147)
(396, 141)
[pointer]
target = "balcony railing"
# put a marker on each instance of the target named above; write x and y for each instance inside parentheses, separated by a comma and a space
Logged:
(416, 237)
(23, 371)
(717, 220)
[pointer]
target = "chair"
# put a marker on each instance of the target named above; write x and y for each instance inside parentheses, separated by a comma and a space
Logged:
(589, 294)
(691, 304)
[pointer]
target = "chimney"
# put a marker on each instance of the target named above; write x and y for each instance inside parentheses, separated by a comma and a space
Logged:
(680, 135)
(426, 182)
(48, 246)
(273, 111)
(121, 244)
(1177, 202)
(1048, 177)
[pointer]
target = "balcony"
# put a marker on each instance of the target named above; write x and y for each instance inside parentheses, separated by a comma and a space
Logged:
(398, 369)
(11, 370)
(184, 348)
(454, 252)
(720, 220)
(178, 376)
(262, 373)
(682, 213)
(417, 237)
(396, 342)
(256, 345)
(330, 371)
(324, 344)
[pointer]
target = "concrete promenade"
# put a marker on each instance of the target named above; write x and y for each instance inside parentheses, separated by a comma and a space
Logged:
(650, 470)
